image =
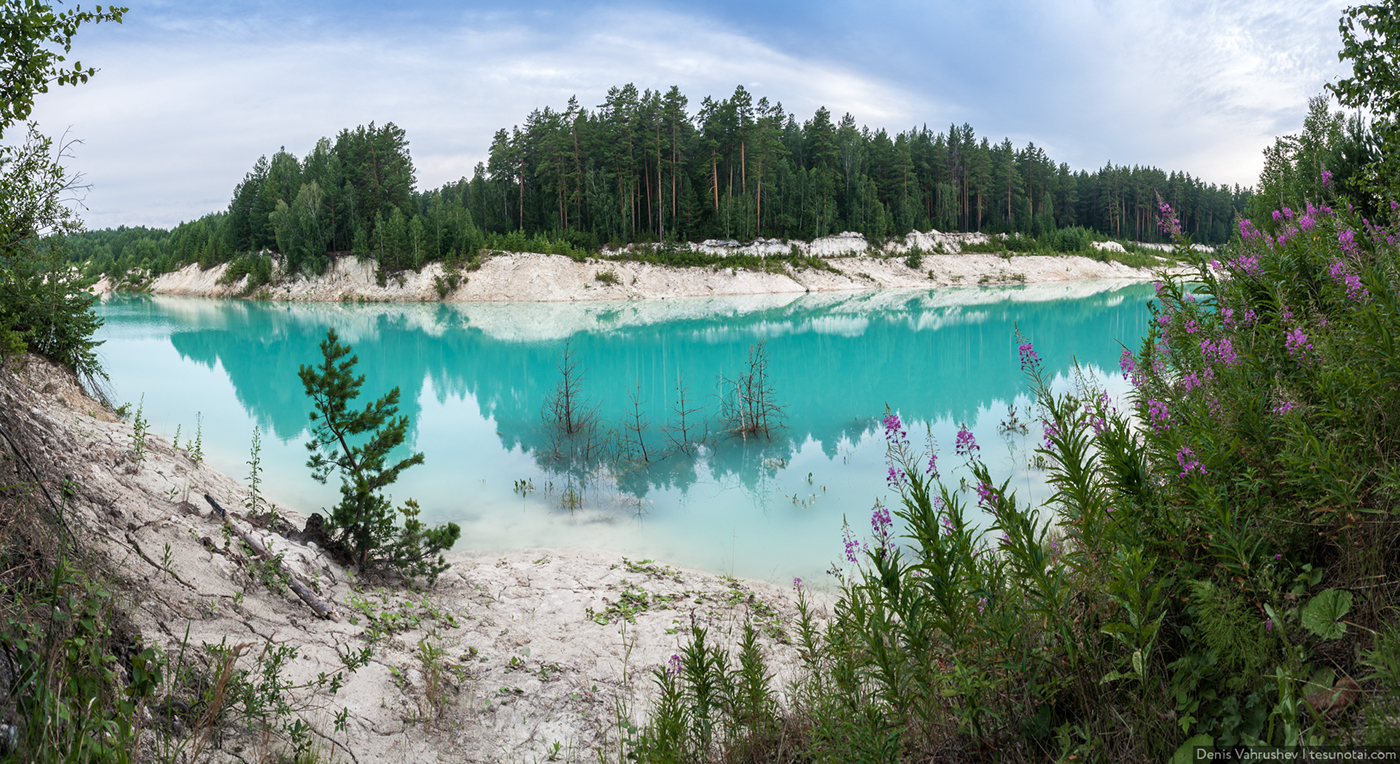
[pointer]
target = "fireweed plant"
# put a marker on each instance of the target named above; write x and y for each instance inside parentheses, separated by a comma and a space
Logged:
(1216, 565)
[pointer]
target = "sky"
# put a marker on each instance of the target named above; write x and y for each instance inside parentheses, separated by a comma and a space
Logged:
(189, 95)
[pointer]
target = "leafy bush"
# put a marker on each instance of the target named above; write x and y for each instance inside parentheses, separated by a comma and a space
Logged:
(66, 666)
(44, 305)
(257, 267)
(1203, 573)
(357, 444)
(1073, 240)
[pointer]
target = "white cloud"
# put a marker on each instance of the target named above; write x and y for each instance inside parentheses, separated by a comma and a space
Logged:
(185, 105)
(180, 111)
(1199, 86)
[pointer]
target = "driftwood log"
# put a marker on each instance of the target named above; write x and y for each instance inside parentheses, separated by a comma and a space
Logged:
(294, 582)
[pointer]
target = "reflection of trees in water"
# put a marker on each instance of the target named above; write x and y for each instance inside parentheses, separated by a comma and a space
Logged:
(586, 457)
(833, 366)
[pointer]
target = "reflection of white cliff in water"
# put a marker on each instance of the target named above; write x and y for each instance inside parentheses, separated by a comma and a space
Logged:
(544, 321)
(837, 359)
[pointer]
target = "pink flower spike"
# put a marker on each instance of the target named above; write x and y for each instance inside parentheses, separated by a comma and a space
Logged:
(966, 445)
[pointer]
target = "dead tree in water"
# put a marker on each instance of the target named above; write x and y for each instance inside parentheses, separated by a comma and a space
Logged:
(687, 428)
(634, 424)
(572, 421)
(747, 402)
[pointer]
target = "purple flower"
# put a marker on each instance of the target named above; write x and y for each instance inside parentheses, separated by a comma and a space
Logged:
(673, 666)
(1191, 380)
(933, 464)
(948, 525)
(1247, 264)
(1347, 240)
(1168, 223)
(1341, 274)
(1128, 365)
(1248, 231)
(1298, 345)
(853, 547)
(1157, 415)
(797, 584)
(985, 495)
(895, 479)
(966, 445)
(1268, 624)
(880, 526)
(1192, 326)
(894, 429)
(1220, 351)
(1098, 418)
(1327, 179)
(1188, 462)
(1283, 407)
(1029, 359)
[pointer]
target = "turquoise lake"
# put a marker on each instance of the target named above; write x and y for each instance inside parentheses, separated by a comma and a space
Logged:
(474, 379)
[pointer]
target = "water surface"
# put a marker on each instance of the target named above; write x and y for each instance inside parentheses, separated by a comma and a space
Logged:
(474, 379)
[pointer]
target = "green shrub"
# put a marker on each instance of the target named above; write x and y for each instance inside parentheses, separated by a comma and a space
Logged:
(44, 305)
(1202, 573)
(257, 267)
(357, 444)
(1073, 240)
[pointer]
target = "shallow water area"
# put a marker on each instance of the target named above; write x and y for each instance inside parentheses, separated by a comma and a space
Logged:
(475, 378)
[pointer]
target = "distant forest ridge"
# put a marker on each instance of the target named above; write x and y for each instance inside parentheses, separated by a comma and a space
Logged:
(641, 168)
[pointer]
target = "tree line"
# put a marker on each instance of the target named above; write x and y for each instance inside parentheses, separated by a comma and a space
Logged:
(643, 168)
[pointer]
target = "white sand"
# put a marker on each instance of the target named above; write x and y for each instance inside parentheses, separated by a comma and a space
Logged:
(513, 277)
(530, 663)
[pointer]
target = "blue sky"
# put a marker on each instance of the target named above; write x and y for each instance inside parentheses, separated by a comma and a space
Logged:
(189, 96)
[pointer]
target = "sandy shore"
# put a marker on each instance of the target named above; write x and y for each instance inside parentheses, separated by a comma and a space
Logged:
(538, 648)
(849, 265)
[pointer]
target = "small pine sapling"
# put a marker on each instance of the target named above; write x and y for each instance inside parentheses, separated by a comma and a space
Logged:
(365, 520)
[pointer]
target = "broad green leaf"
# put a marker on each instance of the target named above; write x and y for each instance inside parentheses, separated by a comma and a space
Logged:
(1114, 676)
(1323, 613)
(1187, 752)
